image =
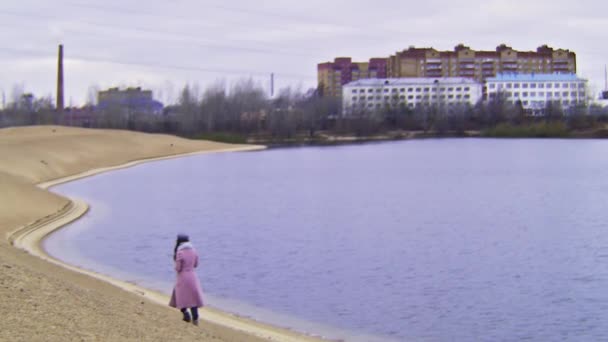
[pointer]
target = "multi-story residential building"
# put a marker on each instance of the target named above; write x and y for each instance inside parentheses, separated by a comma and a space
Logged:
(535, 91)
(465, 62)
(379, 94)
(461, 62)
(333, 75)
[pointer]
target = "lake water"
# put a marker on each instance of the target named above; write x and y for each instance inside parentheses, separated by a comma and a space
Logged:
(426, 240)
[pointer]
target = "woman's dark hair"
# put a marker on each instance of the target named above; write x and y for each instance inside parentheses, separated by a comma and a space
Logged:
(180, 239)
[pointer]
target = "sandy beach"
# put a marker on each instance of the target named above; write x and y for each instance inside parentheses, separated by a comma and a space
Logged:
(46, 300)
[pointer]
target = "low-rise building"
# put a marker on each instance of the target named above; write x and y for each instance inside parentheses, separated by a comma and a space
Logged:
(536, 91)
(370, 95)
(132, 100)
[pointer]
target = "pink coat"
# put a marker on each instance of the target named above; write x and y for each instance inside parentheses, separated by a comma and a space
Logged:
(187, 292)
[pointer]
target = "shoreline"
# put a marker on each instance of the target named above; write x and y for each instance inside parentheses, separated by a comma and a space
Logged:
(28, 237)
(31, 237)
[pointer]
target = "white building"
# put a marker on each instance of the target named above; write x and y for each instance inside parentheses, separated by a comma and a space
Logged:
(368, 95)
(535, 91)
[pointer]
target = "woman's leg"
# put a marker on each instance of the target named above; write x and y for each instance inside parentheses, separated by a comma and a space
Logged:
(194, 311)
(186, 314)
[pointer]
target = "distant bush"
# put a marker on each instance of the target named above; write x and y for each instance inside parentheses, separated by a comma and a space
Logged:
(229, 138)
(601, 133)
(535, 130)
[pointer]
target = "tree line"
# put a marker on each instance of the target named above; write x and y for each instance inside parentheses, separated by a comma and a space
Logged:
(244, 109)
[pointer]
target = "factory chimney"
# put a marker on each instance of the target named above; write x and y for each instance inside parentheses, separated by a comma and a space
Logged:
(60, 80)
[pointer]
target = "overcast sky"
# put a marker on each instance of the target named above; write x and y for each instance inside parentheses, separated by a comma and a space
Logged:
(162, 45)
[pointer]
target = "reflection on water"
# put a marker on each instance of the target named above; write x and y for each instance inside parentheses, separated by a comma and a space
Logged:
(427, 240)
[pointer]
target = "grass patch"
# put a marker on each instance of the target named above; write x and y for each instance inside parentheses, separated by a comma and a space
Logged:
(536, 130)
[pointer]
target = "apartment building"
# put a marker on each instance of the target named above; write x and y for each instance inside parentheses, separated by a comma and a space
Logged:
(461, 62)
(535, 91)
(368, 95)
(331, 76)
(479, 65)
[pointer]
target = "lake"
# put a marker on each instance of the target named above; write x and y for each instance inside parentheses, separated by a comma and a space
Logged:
(426, 240)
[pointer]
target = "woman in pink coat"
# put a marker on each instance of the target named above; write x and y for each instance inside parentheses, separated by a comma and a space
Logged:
(187, 293)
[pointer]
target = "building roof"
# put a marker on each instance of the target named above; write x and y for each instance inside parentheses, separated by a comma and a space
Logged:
(511, 77)
(374, 82)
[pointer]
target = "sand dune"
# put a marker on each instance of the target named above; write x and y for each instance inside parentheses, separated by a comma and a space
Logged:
(44, 300)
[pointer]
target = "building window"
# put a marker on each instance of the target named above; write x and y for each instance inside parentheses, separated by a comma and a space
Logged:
(418, 90)
(370, 97)
(370, 90)
(418, 97)
(467, 88)
(509, 85)
(524, 94)
(386, 97)
(565, 94)
(452, 96)
(532, 94)
(394, 90)
(564, 85)
(565, 102)
(410, 97)
(533, 85)
(541, 85)
(492, 86)
(467, 96)
(516, 85)
(458, 89)
(409, 90)
(450, 89)
(556, 85)
(525, 103)
(378, 90)
(556, 94)
(581, 94)
(581, 85)
(386, 90)
(361, 98)
(541, 93)
(573, 94)
(549, 85)
(354, 91)
(426, 90)
(524, 85)
(354, 98)
(402, 90)
(402, 97)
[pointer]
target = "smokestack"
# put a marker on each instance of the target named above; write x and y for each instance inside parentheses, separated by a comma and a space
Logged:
(271, 84)
(605, 78)
(60, 80)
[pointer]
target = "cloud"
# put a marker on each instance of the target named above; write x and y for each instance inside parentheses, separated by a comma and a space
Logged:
(120, 42)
